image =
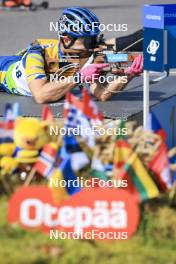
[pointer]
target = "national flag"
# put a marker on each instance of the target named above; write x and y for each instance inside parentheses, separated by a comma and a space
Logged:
(78, 124)
(47, 114)
(6, 131)
(140, 183)
(7, 125)
(122, 153)
(82, 114)
(11, 111)
(45, 162)
(121, 128)
(59, 193)
(70, 101)
(155, 126)
(160, 166)
(87, 106)
(90, 109)
(65, 171)
(72, 183)
(78, 158)
(63, 182)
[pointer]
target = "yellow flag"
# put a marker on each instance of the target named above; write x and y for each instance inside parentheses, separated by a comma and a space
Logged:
(59, 193)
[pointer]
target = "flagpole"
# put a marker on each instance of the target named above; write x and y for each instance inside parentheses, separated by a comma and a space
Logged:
(146, 92)
(30, 177)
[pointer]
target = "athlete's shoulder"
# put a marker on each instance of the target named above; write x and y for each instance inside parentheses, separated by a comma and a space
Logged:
(50, 47)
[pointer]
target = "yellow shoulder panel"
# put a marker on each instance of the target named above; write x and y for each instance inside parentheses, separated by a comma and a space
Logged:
(51, 47)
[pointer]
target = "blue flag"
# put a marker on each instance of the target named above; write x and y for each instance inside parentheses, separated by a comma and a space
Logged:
(69, 176)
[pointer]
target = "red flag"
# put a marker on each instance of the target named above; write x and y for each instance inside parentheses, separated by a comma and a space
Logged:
(47, 114)
(45, 162)
(155, 126)
(6, 131)
(160, 166)
(90, 109)
(72, 100)
(7, 125)
(87, 106)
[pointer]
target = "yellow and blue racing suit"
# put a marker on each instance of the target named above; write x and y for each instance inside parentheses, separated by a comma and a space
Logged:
(16, 72)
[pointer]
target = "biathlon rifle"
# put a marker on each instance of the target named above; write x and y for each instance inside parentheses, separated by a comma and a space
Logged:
(120, 60)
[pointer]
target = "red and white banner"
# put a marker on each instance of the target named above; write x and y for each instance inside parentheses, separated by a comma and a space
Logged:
(105, 210)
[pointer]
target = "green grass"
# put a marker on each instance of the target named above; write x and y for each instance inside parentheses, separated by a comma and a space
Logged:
(154, 243)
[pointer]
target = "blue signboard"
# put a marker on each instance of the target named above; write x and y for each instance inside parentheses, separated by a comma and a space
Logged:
(159, 37)
(154, 50)
(169, 14)
(153, 17)
(159, 16)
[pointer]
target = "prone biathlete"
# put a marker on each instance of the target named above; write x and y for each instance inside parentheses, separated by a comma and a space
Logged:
(28, 72)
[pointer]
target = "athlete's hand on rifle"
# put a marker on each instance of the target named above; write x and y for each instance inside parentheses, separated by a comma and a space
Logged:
(92, 71)
(136, 67)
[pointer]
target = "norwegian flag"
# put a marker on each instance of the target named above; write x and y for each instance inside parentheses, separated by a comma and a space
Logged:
(160, 166)
(45, 163)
